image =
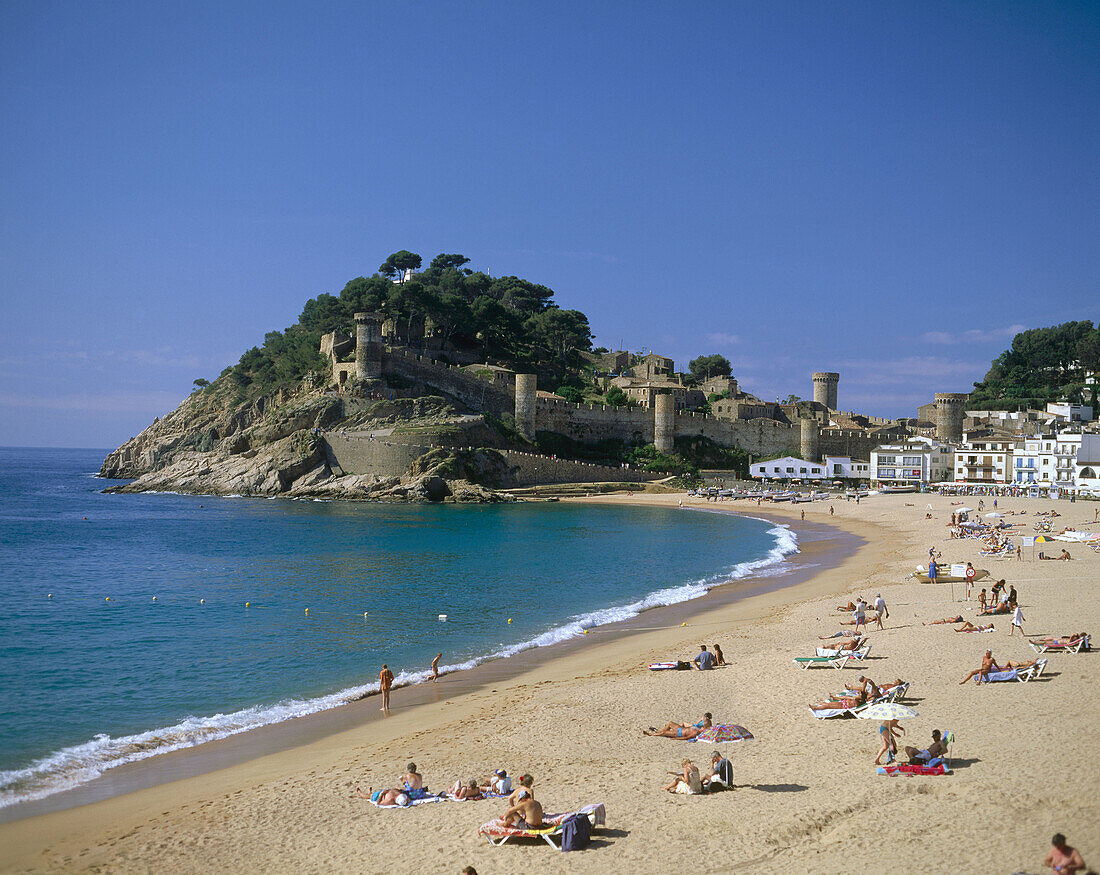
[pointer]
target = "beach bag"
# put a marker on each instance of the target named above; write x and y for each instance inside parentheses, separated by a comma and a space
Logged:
(575, 833)
(683, 666)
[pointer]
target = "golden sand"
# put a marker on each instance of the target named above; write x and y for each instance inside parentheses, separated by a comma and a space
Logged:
(1025, 763)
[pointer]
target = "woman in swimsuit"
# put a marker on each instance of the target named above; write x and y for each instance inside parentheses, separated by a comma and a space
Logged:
(945, 621)
(889, 740)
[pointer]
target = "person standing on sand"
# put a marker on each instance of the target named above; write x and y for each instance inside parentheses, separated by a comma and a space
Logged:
(385, 684)
(803, 516)
(970, 572)
(435, 667)
(1017, 622)
(883, 611)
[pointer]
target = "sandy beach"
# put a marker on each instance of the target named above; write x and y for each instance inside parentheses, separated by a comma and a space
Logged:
(1025, 762)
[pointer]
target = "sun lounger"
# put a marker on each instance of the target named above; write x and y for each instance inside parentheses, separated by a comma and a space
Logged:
(497, 832)
(805, 662)
(860, 653)
(1075, 646)
(1015, 674)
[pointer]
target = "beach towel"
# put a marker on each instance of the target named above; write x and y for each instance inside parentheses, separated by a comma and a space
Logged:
(421, 801)
(896, 769)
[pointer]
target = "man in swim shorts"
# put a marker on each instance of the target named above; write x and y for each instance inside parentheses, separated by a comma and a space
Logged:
(936, 749)
(982, 673)
(525, 815)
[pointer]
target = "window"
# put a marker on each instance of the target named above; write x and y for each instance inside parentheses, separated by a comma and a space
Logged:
(801, 470)
(790, 470)
(911, 461)
(1088, 474)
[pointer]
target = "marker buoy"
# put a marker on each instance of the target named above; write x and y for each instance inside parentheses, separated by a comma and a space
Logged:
(509, 619)
(202, 601)
(49, 595)
(248, 604)
(307, 610)
(365, 613)
(154, 598)
(107, 599)
(683, 624)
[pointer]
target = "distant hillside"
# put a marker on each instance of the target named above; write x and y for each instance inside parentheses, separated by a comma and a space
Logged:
(1042, 365)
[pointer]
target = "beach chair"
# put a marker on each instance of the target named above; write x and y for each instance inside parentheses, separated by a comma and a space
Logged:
(1074, 646)
(837, 661)
(859, 653)
(1015, 674)
(497, 832)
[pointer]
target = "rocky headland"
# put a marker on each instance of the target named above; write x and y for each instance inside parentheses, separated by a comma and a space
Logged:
(219, 443)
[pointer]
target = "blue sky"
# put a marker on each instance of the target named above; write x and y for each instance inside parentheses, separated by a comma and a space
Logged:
(887, 190)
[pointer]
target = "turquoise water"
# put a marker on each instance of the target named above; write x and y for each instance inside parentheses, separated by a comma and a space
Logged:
(126, 632)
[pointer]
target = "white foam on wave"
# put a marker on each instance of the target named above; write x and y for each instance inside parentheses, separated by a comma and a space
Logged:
(72, 766)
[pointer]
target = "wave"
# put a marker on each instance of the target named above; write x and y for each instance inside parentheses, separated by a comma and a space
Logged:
(79, 764)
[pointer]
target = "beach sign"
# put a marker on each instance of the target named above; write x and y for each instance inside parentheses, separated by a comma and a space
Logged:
(1027, 541)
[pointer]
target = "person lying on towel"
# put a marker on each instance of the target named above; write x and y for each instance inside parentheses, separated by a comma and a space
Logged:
(970, 627)
(684, 731)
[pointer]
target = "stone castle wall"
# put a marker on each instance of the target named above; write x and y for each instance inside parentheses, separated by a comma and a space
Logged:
(591, 423)
(390, 457)
(494, 395)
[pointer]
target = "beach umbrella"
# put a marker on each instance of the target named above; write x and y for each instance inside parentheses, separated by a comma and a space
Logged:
(887, 711)
(964, 510)
(1043, 539)
(723, 732)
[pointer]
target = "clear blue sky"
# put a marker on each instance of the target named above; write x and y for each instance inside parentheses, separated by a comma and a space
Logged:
(883, 189)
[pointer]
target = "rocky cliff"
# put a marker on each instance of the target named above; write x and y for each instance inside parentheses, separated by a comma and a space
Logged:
(221, 443)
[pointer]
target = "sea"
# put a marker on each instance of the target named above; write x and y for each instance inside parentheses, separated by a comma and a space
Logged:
(134, 625)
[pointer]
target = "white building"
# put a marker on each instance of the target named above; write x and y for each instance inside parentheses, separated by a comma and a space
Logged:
(846, 468)
(1087, 466)
(918, 461)
(1047, 460)
(985, 458)
(1070, 412)
(787, 468)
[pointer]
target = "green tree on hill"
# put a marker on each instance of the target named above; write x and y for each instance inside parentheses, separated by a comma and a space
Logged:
(707, 366)
(399, 262)
(1041, 365)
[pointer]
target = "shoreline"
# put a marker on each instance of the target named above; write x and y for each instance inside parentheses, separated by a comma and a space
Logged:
(807, 798)
(278, 737)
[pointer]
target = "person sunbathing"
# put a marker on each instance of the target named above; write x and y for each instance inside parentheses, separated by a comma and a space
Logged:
(850, 646)
(676, 730)
(853, 701)
(846, 609)
(414, 783)
(936, 749)
(498, 783)
(686, 781)
(395, 796)
(1064, 641)
(470, 791)
(945, 621)
(1012, 664)
(523, 791)
(843, 633)
(970, 627)
(524, 815)
(999, 608)
(981, 673)
(869, 688)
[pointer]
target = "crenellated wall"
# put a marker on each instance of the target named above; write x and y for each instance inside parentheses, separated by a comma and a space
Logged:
(495, 396)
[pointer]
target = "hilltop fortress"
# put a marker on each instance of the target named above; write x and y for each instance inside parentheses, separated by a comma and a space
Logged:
(660, 413)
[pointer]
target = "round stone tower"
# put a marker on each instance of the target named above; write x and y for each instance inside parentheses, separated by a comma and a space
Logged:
(664, 423)
(368, 346)
(810, 439)
(950, 412)
(825, 388)
(526, 386)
